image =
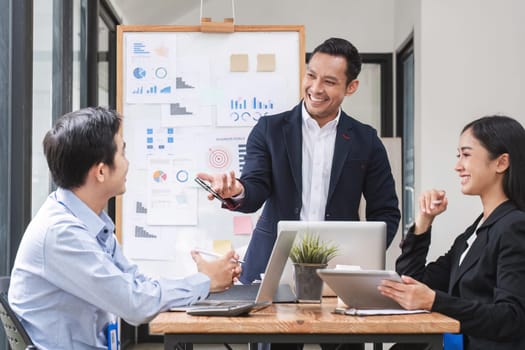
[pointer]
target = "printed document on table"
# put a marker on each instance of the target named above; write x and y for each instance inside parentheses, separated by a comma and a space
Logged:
(372, 312)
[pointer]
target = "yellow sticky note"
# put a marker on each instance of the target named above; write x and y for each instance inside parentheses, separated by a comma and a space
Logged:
(222, 246)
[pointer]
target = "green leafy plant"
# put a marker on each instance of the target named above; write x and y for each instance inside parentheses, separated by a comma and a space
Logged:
(311, 250)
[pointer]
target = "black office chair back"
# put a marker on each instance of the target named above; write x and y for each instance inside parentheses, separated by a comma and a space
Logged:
(15, 332)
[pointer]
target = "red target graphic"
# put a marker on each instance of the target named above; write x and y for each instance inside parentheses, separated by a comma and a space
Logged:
(218, 158)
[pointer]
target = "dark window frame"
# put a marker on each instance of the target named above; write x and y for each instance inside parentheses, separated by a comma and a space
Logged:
(62, 90)
(16, 107)
(384, 60)
(5, 154)
(17, 35)
(108, 14)
(89, 10)
(406, 49)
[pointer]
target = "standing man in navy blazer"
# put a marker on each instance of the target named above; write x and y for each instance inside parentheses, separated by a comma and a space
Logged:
(312, 162)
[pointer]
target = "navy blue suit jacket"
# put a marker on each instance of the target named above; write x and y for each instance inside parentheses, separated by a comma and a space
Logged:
(272, 175)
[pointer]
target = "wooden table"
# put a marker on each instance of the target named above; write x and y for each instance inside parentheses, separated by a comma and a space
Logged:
(301, 323)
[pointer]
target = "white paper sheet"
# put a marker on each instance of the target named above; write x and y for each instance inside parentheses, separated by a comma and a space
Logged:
(372, 312)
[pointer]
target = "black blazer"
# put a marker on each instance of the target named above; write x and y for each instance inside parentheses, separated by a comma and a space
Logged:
(487, 292)
(272, 175)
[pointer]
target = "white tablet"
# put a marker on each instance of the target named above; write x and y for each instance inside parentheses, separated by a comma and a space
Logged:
(358, 288)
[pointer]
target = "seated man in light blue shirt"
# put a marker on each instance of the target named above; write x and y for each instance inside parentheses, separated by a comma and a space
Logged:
(70, 279)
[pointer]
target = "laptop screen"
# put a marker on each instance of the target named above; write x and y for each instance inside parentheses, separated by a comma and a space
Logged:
(361, 243)
(272, 275)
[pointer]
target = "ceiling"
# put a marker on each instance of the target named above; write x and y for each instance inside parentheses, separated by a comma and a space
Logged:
(153, 11)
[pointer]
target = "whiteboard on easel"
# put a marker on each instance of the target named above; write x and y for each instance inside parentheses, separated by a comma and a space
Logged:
(189, 100)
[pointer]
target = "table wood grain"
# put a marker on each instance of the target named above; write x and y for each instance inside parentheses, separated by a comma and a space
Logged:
(302, 319)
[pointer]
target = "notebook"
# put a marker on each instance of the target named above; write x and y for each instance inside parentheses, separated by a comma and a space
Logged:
(259, 294)
(361, 243)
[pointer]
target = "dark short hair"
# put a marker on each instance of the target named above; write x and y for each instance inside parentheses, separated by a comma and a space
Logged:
(78, 141)
(343, 48)
(501, 134)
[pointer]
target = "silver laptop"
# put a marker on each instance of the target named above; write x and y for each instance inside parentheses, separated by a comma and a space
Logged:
(264, 292)
(358, 289)
(361, 243)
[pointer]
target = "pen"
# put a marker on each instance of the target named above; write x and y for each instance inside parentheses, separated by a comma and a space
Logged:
(215, 255)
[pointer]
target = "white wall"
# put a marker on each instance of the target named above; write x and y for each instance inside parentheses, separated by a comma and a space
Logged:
(366, 23)
(471, 58)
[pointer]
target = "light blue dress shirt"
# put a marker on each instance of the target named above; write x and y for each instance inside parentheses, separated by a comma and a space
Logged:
(70, 279)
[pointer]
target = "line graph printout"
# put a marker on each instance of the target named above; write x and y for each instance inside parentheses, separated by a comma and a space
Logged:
(224, 150)
(141, 239)
(178, 115)
(191, 105)
(150, 67)
(172, 197)
(244, 103)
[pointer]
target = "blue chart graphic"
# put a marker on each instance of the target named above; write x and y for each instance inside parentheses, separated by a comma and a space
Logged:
(243, 109)
(242, 156)
(139, 73)
(253, 103)
(181, 84)
(177, 109)
(139, 48)
(159, 139)
(140, 209)
(140, 232)
(151, 90)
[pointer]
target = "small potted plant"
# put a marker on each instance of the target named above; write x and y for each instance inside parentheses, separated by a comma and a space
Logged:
(308, 255)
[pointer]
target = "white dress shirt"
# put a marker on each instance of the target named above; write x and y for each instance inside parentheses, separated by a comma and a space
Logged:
(70, 279)
(470, 242)
(318, 153)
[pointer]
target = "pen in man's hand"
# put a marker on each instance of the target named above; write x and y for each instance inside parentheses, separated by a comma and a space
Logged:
(215, 255)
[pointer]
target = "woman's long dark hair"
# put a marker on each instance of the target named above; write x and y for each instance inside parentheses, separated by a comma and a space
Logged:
(502, 134)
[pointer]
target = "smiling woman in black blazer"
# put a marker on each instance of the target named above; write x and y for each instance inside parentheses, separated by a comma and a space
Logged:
(480, 281)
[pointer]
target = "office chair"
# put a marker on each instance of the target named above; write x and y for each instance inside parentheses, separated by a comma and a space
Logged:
(15, 332)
